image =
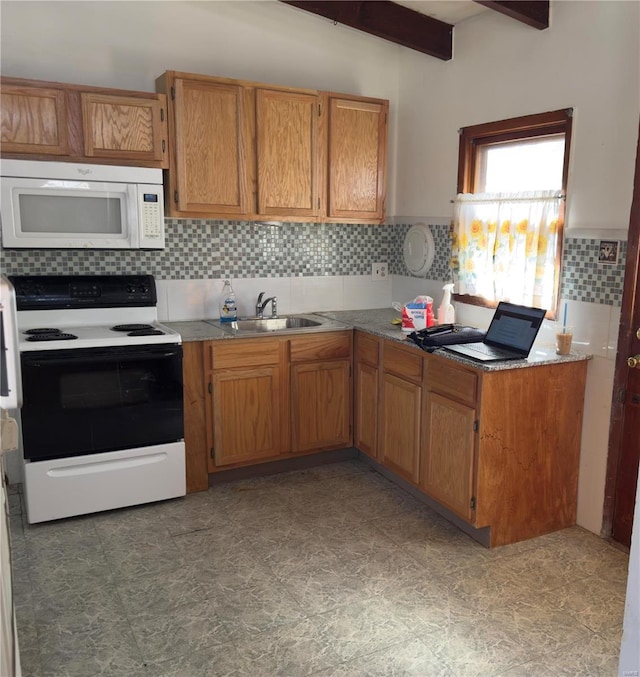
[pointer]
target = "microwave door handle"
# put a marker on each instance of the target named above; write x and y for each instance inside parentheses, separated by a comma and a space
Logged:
(134, 216)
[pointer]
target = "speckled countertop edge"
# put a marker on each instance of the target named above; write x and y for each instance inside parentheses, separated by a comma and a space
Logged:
(377, 321)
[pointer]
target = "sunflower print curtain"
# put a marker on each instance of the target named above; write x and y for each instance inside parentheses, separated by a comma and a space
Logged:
(504, 246)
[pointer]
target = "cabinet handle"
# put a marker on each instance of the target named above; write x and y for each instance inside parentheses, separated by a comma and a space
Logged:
(162, 115)
(210, 388)
(163, 145)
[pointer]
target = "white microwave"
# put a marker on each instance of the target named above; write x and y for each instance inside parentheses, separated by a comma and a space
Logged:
(61, 205)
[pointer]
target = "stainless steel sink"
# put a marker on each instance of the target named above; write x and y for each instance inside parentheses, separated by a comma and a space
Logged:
(256, 325)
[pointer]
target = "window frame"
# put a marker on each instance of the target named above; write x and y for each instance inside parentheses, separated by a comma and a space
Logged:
(525, 127)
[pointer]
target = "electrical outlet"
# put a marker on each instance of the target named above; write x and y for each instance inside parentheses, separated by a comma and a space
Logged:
(380, 270)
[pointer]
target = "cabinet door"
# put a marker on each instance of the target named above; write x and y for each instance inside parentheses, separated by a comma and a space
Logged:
(400, 426)
(211, 149)
(286, 153)
(357, 159)
(447, 464)
(246, 414)
(366, 409)
(34, 120)
(321, 405)
(125, 128)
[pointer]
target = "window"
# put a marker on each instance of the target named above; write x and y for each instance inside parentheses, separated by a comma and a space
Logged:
(507, 228)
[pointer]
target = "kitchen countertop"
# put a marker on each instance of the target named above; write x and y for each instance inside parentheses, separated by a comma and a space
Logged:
(203, 330)
(377, 321)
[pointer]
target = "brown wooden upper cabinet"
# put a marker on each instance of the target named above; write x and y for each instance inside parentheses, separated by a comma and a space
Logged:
(121, 127)
(259, 151)
(357, 158)
(287, 143)
(211, 149)
(34, 120)
(52, 120)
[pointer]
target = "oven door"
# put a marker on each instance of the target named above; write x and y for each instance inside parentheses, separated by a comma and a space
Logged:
(94, 400)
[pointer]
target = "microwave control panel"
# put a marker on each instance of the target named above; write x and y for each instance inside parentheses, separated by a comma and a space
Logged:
(151, 217)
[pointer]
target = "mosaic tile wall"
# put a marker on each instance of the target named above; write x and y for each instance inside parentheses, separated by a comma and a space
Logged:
(197, 249)
(584, 279)
(200, 249)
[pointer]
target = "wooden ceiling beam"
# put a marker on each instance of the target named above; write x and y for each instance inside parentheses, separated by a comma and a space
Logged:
(531, 12)
(386, 20)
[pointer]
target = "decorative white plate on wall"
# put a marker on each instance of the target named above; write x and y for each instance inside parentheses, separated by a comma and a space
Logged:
(418, 250)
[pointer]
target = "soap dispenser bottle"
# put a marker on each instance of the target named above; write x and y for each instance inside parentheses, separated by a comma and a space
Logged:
(446, 311)
(228, 310)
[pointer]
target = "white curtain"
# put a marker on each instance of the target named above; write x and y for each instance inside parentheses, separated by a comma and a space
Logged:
(504, 246)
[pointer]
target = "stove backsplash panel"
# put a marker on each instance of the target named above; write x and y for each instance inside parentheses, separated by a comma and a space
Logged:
(203, 249)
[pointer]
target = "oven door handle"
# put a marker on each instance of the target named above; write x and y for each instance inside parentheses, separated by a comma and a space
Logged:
(128, 356)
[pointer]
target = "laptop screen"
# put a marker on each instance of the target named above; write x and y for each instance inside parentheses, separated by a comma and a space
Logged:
(514, 327)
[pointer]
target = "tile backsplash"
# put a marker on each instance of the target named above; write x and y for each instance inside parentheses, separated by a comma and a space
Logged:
(202, 249)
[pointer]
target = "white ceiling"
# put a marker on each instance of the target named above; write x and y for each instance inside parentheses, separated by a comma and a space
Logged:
(450, 11)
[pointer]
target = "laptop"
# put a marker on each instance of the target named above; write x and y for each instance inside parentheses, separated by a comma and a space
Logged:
(510, 336)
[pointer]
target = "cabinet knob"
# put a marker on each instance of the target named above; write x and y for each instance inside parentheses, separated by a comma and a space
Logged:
(634, 361)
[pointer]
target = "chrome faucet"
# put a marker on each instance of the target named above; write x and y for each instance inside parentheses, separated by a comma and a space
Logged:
(261, 305)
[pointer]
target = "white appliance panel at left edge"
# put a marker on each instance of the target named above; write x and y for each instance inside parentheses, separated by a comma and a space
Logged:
(67, 487)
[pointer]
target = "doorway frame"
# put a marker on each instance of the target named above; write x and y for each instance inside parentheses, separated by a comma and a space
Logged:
(626, 334)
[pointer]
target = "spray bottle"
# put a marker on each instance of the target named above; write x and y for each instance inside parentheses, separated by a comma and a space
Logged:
(446, 312)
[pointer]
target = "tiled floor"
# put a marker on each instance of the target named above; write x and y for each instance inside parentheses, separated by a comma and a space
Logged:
(328, 571)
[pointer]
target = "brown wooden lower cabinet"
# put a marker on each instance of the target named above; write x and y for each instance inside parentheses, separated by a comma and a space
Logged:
(400, 409)
(320, 411)
(320, 391)
(247, 401)
(500, 449)
(446, 471)
(246, 414)
(253, 400)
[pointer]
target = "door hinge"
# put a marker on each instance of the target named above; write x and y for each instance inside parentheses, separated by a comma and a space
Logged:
(175, 196)
(476, 426)
(318, 203)
(472, 502)
(212, 453)
(173, 93)
(210, 387)
(621, 395)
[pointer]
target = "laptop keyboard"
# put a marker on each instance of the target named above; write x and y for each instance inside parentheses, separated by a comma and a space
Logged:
(488, 350)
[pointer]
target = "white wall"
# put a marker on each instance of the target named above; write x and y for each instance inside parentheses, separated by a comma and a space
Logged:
(588, 60)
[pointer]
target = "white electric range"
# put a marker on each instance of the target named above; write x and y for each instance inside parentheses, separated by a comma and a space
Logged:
(102, 416)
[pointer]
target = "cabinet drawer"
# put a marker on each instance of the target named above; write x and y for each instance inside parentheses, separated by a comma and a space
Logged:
(403, 362)
(448, 380)
(326, 346)
(244, 353)
(367, 349)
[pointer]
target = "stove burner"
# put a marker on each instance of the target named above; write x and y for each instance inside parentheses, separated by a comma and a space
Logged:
(131, 327)
(41, 330)
(54, 336)
(145, 332)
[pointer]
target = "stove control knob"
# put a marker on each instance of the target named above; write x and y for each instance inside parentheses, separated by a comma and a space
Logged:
(144, 289)
(131, 289)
